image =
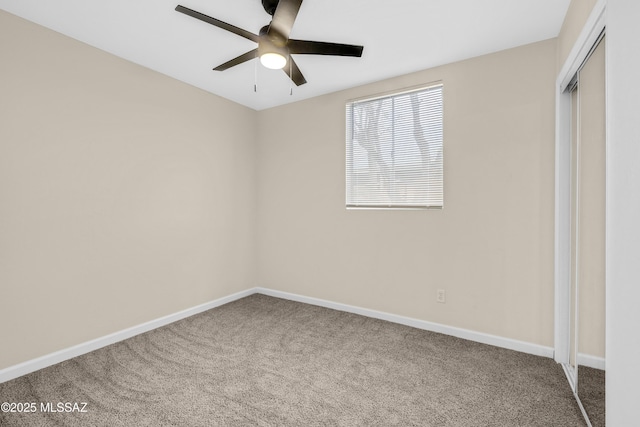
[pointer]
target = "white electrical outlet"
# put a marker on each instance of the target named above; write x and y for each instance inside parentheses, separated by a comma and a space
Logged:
(441, 296)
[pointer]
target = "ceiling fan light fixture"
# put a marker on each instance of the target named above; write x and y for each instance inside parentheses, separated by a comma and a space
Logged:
(273, 60)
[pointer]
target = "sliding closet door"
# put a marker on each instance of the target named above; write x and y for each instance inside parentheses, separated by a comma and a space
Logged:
(591, 230)
(580, 215)
(591, 208)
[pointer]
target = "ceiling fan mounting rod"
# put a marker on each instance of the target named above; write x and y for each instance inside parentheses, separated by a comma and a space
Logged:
(270, 6)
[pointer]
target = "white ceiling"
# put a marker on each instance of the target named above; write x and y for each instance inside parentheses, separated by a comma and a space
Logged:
(398, 36)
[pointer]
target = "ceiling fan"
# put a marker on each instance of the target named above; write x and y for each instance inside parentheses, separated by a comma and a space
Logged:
(274, 45)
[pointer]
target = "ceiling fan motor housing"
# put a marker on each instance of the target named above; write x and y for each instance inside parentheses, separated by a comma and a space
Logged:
(271, 37)
(271, 43)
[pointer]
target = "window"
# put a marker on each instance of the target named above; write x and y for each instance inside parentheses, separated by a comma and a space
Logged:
(394, 150)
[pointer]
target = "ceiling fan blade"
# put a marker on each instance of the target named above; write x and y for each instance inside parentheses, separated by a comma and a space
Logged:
(218, 23)
(323, 48)
(284, 17)
(294, 74)
(237, 61)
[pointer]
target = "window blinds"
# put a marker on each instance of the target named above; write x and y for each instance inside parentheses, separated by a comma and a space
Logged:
(394, 150)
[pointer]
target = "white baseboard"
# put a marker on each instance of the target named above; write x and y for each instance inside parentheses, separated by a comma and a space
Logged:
(508, 343)
(80, 349)
(591, 361)
(86, 347)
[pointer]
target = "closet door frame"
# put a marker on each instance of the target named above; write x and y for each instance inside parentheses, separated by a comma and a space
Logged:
(593, 30)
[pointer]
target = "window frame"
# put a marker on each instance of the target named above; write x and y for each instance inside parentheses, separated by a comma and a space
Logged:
(349, 147)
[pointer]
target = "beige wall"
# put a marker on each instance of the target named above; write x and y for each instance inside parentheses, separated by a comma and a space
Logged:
(577, 15)
(490, 248)
(124, 194)
(128, 196)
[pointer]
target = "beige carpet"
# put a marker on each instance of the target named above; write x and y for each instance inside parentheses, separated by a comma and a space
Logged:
(591, 389)
(263, 361)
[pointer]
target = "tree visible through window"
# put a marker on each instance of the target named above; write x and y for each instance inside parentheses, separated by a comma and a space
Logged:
(394, 150)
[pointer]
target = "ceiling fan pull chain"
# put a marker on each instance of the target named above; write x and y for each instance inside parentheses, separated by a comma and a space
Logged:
(290, 77)
(255, 78)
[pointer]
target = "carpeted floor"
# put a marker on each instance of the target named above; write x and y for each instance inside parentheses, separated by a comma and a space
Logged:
(263, 361)
(591, 390)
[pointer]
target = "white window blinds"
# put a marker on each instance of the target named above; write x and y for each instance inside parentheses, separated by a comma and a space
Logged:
(394, 150)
